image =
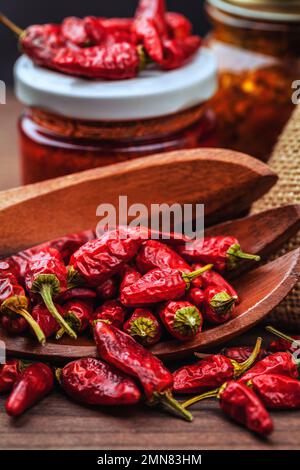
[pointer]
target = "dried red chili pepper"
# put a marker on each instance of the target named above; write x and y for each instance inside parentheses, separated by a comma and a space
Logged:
(108, 289)
(14, 308)
(195, 296)
(211, 372)
(120, 350)
(10, 373)
(218, 305)
(73, 31)
(242, 353)
(93, 382)
(277, 391)
(80, 293)
(241, 404)
(41, 43)
(154, 254)
(286, 342)
(129, 276)
(224, 252)
(34, 384)
(179, 27)
(113, 311)
(182, 319)
(45, 320)
(214, 279)
(47, 276)
(64, 245)
(118, 61)
(154, 10)
(77, 313)
(282, 363)
(144, 327)
(178, 52)
(158, 285)
(146, 31)
(109, 30)
(102, 258)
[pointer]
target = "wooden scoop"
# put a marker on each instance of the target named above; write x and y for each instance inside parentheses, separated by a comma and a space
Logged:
(227, 182)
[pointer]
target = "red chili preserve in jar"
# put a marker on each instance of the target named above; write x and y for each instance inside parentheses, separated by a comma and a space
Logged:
(71, 124)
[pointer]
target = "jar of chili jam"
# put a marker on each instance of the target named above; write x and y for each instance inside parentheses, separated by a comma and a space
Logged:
(257, 44)
(71, 124)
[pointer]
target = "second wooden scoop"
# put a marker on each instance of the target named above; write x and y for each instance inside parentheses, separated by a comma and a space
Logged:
(227, 182)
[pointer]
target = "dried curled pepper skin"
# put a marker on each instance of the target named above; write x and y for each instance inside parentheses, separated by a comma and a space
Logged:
(205, 375)
(179, 27)
(144, 327)
(73, 31)
(214, 279)
(41, 43)
(212, 372)
(47, 277)
(46, 321)
(158, 285)
(224, 252)
(78, 314)
(177, 52)
(120, 350)
(154, 254)
(34, 384)
(218, 305)
(15, 317)
(181, 318)
(242, 405)
(93, 382)
(9, 374)
(108, 289)
(113, 311)
(242, 353)
(282, 363)
(102, 258)
(130, 275)
(79, 293)
(118, 61)
(277, 391)
(196, 297)
(154, 10)
(146, 31)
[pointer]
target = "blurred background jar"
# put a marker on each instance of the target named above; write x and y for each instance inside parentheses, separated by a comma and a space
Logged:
(72, 124)
(257, 43)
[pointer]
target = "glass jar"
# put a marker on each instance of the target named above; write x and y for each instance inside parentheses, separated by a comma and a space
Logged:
(257, 44)
(71, 125)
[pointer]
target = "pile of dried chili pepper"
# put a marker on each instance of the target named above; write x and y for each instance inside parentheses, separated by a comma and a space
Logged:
(128, 288)
(111, 49)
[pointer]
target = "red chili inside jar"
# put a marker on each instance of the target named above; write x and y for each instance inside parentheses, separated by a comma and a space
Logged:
(71, 124)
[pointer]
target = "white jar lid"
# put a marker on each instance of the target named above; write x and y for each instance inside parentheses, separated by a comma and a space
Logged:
(154, 93)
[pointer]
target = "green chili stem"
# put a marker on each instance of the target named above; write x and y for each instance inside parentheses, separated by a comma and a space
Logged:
(191, 276)
(211, 394)
(46, 294)
(281, 335)
(33, 324)
(12, 26)
(60, 333)
(239, 369)
(58, 372)
(236, 251)
(168, 402)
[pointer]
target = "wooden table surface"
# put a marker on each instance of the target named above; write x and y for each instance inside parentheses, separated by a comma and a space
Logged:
(57, 423)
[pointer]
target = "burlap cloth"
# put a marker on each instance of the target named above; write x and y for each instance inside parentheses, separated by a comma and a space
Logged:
(285, 161)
